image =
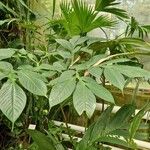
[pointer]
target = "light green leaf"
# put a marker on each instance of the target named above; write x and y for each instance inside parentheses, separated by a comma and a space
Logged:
(12, 100)
(84, 100)
(6, 53)
(95, 71)
(2, 76)
(114, 77)
(59, 66)
(66, 75)
(5, 65)
(32, 82)
(100, 91)
(64, 54)
(65, 44)
(77, 40)
(61, 91)
(131, 71)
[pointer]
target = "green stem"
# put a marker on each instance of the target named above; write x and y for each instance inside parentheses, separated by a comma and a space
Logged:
(135, 92)
(121, 54)
(103, 83)
(66, 123)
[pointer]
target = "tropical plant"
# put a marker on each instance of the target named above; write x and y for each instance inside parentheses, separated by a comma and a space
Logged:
(36, 82)
(106, 129)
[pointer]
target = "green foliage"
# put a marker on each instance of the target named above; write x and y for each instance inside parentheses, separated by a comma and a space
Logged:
(79, 18)
(6, 53)
(69, 73)
(84, 100)
(108, 6)
(42, 141)
(13, 100)
(102, 130)
(134, 27)
(61, 91)
(32, 82)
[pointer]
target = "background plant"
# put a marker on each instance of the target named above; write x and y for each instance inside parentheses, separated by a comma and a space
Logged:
(71, 71)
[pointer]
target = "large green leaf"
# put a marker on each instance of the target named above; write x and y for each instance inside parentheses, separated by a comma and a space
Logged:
(84, 99)
(131, 71)
(80, 18)
(108, 6)
(61, 91)
(32, 82)
(96, 71)
(12, 100)
(65, 44)
(95, 130)
(66, 75)
(5, 68)
(43, 142)
(136, 121)
(121, 117)
(99, 90)
(5, 65)
(2, 76)
(114, 77)
(6, 53)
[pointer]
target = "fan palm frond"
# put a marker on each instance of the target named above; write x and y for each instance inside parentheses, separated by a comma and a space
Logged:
(108, 6)
(81, 18)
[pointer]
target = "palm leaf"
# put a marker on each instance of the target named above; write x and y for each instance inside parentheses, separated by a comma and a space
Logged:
(108, 6)
(134, 27)
(81, 18)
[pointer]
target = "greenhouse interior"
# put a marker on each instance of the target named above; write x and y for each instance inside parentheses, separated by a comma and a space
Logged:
(74, 74)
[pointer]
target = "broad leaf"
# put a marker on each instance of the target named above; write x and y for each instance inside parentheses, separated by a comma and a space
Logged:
(61, 91)
(84, 100)
(131, 71)
(66, 75)
(96, 71)
(12, 100)
(121, 117)
(32, 82)
(76, 40)
(100, 91)
(95, 130)
(6, 53)
(65, 44)
(2, 76)
(114, 77)
(43, 142)
(5, 65)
